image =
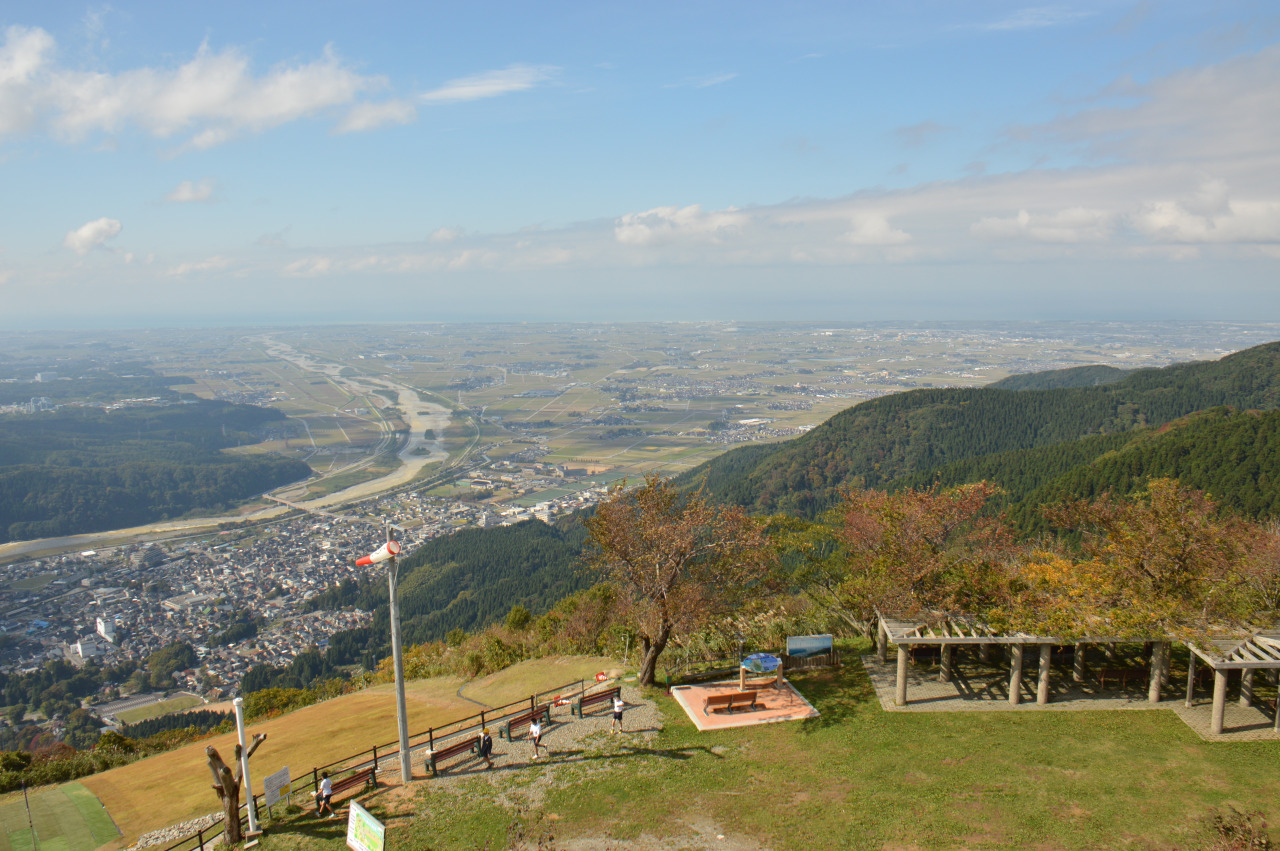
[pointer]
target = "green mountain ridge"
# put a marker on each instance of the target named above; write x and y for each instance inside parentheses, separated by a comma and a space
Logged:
(881, 440)
(1076, 376)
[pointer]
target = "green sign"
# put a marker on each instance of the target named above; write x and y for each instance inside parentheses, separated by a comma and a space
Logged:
(364, 832)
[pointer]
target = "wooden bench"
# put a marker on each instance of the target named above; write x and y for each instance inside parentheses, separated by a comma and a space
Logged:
(1120, 676)
(730, 702)
(363, 778)
(586, 701)
(509, 729)
(434, 758)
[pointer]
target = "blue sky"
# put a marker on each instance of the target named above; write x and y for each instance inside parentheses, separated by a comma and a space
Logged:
(184, 163)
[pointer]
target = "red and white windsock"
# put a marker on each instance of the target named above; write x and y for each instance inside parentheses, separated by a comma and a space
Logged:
(384, 552)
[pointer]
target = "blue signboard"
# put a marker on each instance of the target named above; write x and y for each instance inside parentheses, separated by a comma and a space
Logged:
(809, 645)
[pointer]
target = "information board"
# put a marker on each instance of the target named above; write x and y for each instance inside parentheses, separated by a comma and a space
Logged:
(276, 786)
(364, 832)
(809, 645)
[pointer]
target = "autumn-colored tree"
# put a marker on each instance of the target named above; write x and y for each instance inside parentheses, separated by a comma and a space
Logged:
(677, 561)
(913, 552)
(1165, 562)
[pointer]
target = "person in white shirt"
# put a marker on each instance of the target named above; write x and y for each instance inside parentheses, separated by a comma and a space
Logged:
(618, 706)
(535, 734)
(324, 795)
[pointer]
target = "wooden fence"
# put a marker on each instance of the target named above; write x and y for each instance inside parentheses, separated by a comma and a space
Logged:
(390, 752)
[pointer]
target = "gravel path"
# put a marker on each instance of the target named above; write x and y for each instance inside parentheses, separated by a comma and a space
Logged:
(570, 744)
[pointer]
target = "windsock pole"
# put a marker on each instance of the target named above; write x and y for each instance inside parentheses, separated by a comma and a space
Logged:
(388, 552)
(397, 656)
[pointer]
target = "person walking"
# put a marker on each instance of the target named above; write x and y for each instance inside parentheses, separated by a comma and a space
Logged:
(618, 706)
(486, 748)
(324, 795)
(535, 734)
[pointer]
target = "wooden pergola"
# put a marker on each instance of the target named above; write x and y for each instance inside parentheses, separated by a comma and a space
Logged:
(946, 634)
(1258, 652)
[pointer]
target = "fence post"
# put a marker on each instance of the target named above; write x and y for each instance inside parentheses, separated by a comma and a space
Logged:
(315, 779)
(481, 719)
(375, 757)
(200, 838)
(431, 739)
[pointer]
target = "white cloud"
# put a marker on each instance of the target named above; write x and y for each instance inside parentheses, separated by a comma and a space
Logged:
(212, 264)
(515, 78)
(1214, 113)
(213, 96)
(667, 224)
(370, 116)
(874, 229)
(188, 192)
(1037, 17)
(1076, 224)
(1240, 222)
(703, 82)
(442, 235)
(91, 235)
(308, 267)
(22, 55)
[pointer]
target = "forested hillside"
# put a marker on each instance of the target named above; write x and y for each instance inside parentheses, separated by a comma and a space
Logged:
(876, 442)
(464, 581)
(1234, 456)
(85, 469)
(1076, 376)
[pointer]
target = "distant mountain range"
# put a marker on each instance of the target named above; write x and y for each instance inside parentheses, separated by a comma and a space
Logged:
(1089, 428)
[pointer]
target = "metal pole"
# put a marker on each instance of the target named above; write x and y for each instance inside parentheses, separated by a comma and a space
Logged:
(397, 655)
(247, 783)
(35, 843)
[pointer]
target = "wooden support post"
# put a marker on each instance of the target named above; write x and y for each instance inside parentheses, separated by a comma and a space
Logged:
(1191, 678)
(1042, 686)
(742, 678)
(984, 652)
(900, 690)
(1219, 701)
(1077, 664)
(1156, 667)
(1246, 686)
(1110, 649)
(1015, 674)
(882, 641)
(944, 665)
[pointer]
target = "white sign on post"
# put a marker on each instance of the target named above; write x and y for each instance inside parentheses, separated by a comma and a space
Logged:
(276, 786)
(364, 832)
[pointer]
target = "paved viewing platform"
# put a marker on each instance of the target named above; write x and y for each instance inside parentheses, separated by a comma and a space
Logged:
(977, 687)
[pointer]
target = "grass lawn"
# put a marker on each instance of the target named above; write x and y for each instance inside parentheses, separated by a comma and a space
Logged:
(32, 583)
(163, 707)
(520, 681)
(860, 777)
(66, 818)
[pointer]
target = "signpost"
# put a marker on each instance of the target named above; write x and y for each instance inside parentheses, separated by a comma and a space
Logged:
(364, 832)
(276, 786)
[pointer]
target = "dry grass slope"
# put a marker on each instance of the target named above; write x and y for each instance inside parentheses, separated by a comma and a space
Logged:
(174, 786)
